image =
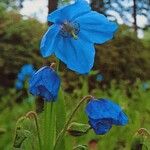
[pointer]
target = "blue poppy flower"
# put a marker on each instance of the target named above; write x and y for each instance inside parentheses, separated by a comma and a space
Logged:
(103, 114)
(21, 76)
(27, 69)
(19, 85)
(72, 36)
(45, 83)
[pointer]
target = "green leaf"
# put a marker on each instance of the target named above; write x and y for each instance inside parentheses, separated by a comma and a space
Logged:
(2, 131)
(93, 72)
(141, 140)
(60, 117)
(49, 127)
(78, 129)
(20, 137)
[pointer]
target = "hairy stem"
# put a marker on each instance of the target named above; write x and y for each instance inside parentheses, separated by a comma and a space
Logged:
(62, 133)
(30, 114)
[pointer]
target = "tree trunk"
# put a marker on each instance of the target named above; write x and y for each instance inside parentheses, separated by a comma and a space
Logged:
(52, 5)
(135, 16)
(97, 5)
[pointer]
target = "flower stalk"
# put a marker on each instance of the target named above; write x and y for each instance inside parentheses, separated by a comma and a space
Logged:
(33, 114)
(49, 121)
(62, 133)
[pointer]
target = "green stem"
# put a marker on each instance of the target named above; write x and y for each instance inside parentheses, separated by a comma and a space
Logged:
(49, 126)
(38, 132)
(62, 133)
(57, 70)
(30, 114)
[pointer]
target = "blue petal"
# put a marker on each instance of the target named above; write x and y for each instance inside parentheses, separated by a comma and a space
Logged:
(36, 78)
(122, 119)
(49, 41)
(27, 69)
(78, 54)
(106, 110)
(100, 127)
(98, 109)
(51, 81)
(45, 83)
(69, 12)
(21, 76)
(40, 90)
(96, 27)
(19, 85)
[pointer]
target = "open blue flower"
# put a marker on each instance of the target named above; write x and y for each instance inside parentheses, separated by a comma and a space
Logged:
(45, 83)
(25, 72)
(72, 36)
(103, 114)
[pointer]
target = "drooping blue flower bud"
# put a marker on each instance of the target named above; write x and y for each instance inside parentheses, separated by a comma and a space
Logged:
(45, 83)
(104, 113)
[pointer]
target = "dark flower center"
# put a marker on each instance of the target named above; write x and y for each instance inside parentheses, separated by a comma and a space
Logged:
(69, 29)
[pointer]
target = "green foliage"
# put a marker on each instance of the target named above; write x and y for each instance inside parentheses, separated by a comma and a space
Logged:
(78, 129)
(19, 42)
(146, 39)
(123, 57)
(60, 119)
(136, 105)
(141, 140)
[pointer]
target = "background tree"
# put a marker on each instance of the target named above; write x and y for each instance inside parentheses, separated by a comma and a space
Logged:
(127, 10)
(19, 44)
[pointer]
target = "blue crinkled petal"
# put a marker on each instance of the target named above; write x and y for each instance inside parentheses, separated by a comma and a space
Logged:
(49, 41)
(45, 83)
(107, 111)
(99, 127)
(122, 119)
(69, 12)
(51, 81)
(40, 90)
(99, 109)
(96, 27)
(78, 54)
(36, 78)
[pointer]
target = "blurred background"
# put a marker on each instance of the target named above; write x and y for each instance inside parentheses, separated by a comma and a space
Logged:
(121, 71)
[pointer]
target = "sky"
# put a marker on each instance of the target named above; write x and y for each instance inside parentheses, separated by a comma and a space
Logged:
(35, 8)
(38, 9)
